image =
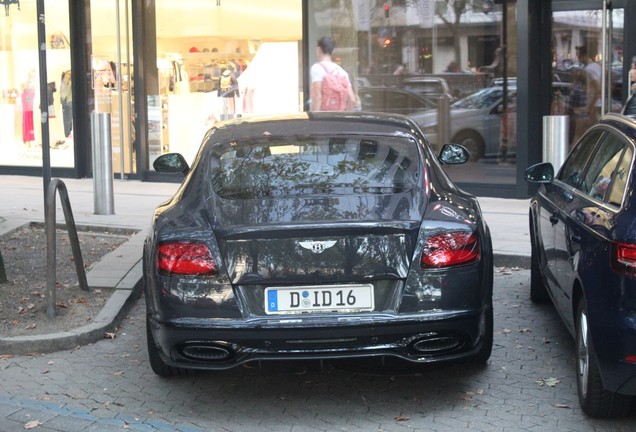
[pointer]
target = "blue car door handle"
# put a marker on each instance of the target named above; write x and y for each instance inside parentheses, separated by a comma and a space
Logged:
(575, 238)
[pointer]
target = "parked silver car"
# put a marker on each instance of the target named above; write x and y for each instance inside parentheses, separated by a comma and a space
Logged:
(476, 122)
(429, 87)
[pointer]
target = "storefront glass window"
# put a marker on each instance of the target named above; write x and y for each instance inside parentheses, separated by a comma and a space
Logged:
(20, 126)
(220, 60)
(110, 83)
(577, 63)
(402, 52)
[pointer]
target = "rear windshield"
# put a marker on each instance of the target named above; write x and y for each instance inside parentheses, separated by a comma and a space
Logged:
(315, 165)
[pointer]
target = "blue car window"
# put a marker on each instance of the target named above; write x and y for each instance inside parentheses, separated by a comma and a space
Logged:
(599, 174)
(572, 170)
(620, 178)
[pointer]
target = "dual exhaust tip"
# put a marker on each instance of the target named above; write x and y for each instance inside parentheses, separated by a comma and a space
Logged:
(220, 352)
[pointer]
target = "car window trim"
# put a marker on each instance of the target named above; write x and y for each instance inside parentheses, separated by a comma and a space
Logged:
(588, 161)
(577, 193)
(604, 204)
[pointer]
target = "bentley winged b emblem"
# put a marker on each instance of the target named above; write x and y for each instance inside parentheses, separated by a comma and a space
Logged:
(317, 246)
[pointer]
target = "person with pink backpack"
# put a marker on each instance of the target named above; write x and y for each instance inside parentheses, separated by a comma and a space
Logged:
(331, 89)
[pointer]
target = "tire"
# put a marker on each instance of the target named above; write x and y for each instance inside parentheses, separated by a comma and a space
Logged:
(472, 141)
(156, 363)
(538, 290)
(593, 398)
(482, 356)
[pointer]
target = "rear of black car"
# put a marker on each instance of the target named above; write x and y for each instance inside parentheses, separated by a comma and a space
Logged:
(317, 238)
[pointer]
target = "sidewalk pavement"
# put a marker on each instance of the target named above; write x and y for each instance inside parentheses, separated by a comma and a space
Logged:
(22, 199)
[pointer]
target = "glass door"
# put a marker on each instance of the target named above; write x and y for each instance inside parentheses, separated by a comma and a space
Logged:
(587, 62)
(111, 79)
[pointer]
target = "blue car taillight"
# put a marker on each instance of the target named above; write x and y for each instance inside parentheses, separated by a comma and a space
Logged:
(623, 259)
(186, 259)
(450, 249)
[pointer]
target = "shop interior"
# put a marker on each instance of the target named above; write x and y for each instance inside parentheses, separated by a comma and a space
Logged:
(257, 43)
(20, 131)
(227, 60)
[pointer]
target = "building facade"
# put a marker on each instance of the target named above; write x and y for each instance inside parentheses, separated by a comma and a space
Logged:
(159, 73)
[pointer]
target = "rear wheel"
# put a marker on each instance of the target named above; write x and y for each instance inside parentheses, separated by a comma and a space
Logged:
(473, 142)
(485, 351)
(156, 362)
(538, 290)
(594, 399)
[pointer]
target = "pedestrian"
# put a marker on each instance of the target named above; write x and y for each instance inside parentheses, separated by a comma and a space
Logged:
(400, 73)
(593, 85)
(331, 89)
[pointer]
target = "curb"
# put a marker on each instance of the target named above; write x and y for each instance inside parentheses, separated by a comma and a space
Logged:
(107, 319)
(126, 285)
(505, 260)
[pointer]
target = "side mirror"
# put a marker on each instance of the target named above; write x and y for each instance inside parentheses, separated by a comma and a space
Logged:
(171, 163)
(453, 154)
(540, 173)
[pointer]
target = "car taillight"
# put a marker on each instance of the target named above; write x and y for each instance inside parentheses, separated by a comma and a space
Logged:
(181, 258)
(450, 249)
(623, 259)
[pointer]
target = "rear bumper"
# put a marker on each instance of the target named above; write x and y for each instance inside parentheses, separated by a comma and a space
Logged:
(202, 344)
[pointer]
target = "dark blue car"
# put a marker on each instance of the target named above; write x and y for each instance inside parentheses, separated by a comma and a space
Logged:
(583, 234)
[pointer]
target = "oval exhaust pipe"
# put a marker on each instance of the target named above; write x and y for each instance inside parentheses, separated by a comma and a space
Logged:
(206, 352)
(436, 344)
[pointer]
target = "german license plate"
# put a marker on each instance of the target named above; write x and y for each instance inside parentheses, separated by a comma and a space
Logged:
(319, 298)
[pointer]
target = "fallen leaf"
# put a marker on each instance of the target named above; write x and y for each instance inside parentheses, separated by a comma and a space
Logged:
(30, 326)
(561, 406)
(119, 373)
(550, 382)
(402, 418)
(524, 330)
(33, 424)
(109, 335)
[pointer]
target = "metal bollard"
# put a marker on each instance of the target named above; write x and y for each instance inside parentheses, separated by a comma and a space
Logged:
(104, 202)
(555, 139)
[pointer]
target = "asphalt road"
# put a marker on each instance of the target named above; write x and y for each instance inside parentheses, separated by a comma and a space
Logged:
(529, 385)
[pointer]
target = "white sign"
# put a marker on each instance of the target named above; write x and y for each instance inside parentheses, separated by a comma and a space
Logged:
(426, 12)
(362, 12)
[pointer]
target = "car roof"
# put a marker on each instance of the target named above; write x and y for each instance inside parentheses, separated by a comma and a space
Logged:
(424, 79)
(624, 123)
(308, 123)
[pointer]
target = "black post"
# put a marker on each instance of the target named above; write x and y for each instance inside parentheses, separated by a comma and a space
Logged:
(44, 102)
(504, 57)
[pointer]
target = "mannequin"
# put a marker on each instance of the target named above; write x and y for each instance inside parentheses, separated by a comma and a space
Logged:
(28, 94)
(228, 86)
(66, 98)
